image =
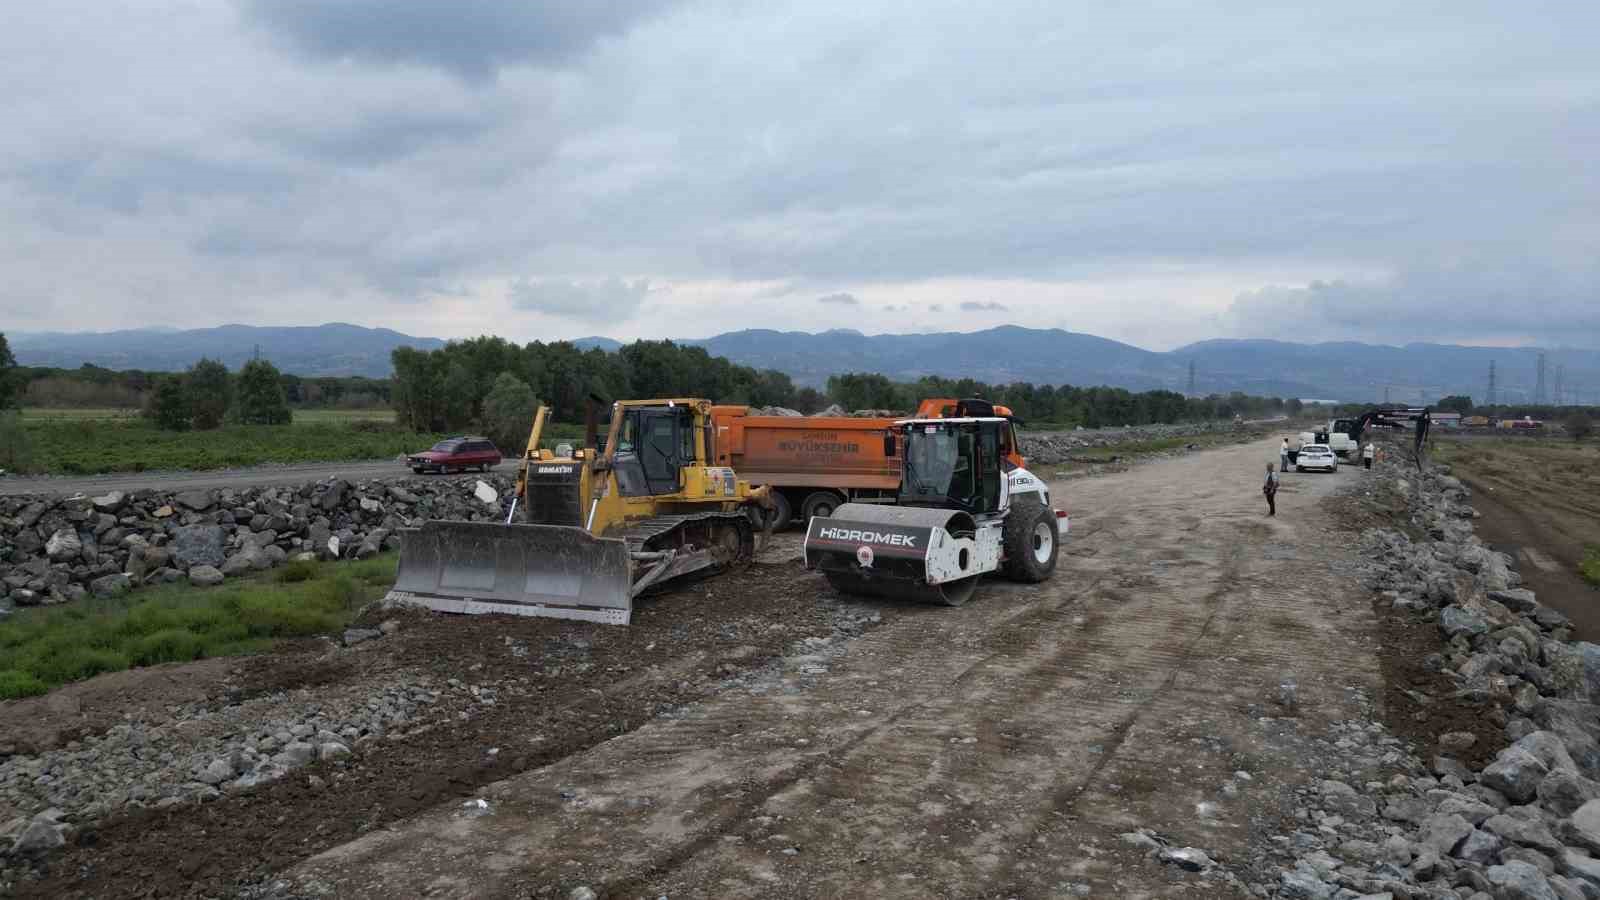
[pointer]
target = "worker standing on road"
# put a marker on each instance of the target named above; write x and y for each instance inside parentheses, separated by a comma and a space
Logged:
(1270, 489)
(1367, 453)
(1283, 456)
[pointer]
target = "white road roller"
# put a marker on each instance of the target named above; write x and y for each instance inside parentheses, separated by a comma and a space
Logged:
(966, 508)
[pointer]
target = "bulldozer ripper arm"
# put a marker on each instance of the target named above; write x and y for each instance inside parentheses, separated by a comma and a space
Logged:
(531, 452)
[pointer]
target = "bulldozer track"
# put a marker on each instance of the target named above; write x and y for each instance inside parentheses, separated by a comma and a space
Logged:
(646, 534)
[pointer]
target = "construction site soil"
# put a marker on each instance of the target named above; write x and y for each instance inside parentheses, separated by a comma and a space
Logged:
(589, 684)
(1540, 502)
(759, 735)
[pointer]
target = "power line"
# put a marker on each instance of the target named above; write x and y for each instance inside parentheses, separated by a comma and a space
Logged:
(1491, 383)
(1191, 378)
(1539, 388)
(1561, 371)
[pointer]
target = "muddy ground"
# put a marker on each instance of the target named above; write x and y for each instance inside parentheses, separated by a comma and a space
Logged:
(758, 735)
(1540, 502)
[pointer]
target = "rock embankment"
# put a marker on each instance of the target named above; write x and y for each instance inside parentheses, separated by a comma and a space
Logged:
(61, 549)
(1525, 825)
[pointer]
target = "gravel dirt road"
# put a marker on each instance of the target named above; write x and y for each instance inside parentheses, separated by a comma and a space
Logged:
(300, 473)
(999, 749)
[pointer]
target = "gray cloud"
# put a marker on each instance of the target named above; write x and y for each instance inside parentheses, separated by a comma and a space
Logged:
(401, 151)
(1508, 301)
(840, 300)
(984, 306)
(607, 300)
(472, 38)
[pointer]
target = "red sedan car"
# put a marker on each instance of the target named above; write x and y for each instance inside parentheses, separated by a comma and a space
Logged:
(459, 454)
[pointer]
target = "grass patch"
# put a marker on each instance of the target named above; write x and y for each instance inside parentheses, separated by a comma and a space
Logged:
(43, 648)
(95, 442)
(1590, 568)
(82, 446)
(14, 684)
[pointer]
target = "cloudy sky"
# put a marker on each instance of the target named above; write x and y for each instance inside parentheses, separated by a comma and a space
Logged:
(1152, 172)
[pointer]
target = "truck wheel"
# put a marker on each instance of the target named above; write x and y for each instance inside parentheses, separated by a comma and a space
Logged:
(780, 514)
(1031, 542)
(819, 503)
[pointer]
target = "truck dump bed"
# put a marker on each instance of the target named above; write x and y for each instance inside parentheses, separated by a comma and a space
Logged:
(795, 451)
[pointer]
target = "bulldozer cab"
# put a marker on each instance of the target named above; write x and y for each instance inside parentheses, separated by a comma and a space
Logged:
(952, 464)
(653, 446)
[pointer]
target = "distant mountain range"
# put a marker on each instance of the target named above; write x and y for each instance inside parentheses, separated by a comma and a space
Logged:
(332, 349)
(1337, 371)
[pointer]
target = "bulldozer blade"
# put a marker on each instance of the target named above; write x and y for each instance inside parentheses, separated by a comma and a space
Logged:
(556, 571)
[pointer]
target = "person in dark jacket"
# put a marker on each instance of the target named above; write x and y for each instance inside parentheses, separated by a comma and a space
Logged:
(1270, 489)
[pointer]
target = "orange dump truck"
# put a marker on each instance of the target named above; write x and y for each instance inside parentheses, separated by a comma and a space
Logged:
(814, 464)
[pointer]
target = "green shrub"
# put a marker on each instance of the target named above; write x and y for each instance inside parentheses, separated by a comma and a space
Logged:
(14, 684)
(75, 662)
(16, 445)
(171, 645)
(1590, 569)
(296, 570)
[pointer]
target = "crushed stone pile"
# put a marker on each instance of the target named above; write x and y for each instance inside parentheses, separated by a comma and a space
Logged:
(56, 550)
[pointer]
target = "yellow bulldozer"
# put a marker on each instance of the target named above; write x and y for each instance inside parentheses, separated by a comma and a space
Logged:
(589, 529)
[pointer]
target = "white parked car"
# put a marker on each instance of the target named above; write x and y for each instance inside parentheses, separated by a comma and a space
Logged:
(1316, 456)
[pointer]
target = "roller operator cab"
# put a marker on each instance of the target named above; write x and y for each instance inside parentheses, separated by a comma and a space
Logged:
(964, 509)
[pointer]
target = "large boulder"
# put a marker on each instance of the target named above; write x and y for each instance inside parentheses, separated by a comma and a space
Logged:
(1444, 832)
(1456, 620)
(1547, 747)
(1518, 880)
(1583, 828)
(1519, 600)
(42, 834)
(144, 559)
(333, 495)
(196, 545)
(1578, 725)
(1589, 662)
(205, 576)
(249, 559)
(261, 538)
(114, 585)
(1564, 792)
(30, 514)
(1515, 773)
(197, 500)
(110, 502)
(1525, 831)
(64, 546)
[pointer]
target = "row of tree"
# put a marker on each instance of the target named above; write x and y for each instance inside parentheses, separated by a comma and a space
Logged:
(206, 396)
(1059, 405)
(1542, 411)
(491, 383)
(446, 389)
(92, 386)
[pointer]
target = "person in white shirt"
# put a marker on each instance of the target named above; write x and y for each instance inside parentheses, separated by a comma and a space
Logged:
(1367, 453)
(1283, 456)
